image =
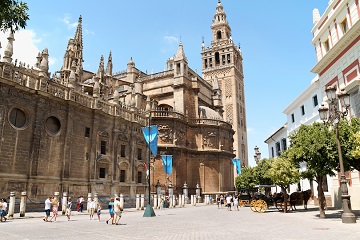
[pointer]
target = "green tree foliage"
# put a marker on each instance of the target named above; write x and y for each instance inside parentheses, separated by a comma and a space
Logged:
(13, 15)
(261, 171)
(247, 179)
(348, 132)
(316, 145)
(283, 172)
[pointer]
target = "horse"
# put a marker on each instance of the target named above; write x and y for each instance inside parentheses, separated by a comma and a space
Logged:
(300, 197)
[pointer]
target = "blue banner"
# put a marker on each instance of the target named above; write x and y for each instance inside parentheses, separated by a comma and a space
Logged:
(151, 137)
(236, 162)
(167, 163)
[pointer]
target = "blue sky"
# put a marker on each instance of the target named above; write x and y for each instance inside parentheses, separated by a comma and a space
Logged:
(275, 38)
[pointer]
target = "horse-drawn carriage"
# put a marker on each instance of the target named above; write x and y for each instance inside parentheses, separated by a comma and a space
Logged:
(260, 202)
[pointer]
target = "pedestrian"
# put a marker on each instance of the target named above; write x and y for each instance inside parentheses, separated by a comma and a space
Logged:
(98, 211)
(118, 210)
(55, 207)
(236, 203)
(91, 207)
(162, 203)
(47, 209)
(3, 210)
(218, 201)
(81, 202)
(68, 209)
(221, 201)
(211, 200)
(229, 202)
(111, 211)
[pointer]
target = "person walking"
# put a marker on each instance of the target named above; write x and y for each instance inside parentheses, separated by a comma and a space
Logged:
(68, 209)
(111, 211)
(229, 202)
(236, 202)
(55, 207)
(91, 206)
(118, 210)
(98, 210)
(3, 210)
(47, 209)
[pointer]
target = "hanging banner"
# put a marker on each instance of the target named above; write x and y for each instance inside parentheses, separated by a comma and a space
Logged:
(167, 163)
(236, 162)
(151, 137)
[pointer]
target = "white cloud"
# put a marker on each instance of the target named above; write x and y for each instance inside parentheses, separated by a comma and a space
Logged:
(24, 46)
(69, 24)
(170, 39)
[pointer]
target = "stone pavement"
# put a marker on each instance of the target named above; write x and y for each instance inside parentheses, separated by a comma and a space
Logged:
(200, 222)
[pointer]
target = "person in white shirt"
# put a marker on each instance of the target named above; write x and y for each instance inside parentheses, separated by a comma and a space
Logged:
(91, 207)
(118, 210)
(47, 209)
(3, 209)
(229, 200)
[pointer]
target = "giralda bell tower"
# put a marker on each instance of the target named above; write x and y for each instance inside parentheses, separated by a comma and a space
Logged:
(223, 60)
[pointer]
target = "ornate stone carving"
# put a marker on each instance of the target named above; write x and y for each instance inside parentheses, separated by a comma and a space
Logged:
(209, 139)
(165, 133)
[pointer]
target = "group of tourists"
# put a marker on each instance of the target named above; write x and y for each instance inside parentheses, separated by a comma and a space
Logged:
(228, 201)
(52, 205)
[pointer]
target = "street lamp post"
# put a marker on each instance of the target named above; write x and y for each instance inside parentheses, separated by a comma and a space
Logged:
(257, 155)
(332, 115)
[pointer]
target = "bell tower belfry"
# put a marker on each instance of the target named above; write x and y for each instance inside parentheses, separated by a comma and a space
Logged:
(223, 60)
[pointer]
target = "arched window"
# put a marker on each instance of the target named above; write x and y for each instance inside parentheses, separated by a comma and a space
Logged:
(218, 35)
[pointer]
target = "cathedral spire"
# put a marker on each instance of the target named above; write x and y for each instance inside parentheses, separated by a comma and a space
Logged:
(9, 48)
(180, 54)
(220, 27)
(109, 66)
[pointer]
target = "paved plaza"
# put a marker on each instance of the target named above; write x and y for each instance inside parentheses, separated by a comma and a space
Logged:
(200, 222)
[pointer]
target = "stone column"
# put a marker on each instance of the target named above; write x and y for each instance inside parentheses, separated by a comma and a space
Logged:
(186, 193)
(142, 201)
(122, 201)
(96, 198)
(171, 195)
(11, 205)
(22, 204)
(137, 201)
(87, 205)
(64, 203)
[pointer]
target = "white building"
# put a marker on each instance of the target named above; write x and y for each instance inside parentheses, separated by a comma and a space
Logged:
(336, 38)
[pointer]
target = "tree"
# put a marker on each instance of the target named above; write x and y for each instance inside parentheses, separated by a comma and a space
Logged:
(247, 179)
(283, 172)
(13, 15)
(261, 170)
(349, 132)
(316, 145)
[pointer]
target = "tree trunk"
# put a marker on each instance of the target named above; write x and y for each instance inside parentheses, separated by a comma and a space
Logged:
(321, 196)
(283, 189)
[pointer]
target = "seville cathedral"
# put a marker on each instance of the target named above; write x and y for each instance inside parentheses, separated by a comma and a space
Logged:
(80, 132)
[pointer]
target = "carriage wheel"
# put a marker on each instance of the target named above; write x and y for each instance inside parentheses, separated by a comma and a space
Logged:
(262, 206)
(252, 205)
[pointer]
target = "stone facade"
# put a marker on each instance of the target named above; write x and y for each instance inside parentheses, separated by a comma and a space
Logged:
(80, 132)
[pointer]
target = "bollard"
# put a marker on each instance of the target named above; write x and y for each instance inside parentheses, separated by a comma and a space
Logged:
(11, 205)
(137, 202)
(87, 205)
(122, 201)
(159, 201)
(155, 201)
(22, 204)
(171, 201)
(192, 200)
(186, 193)
(180, 198)
(195, 200)
(142, 201)
(64, 203)
(183, 200)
